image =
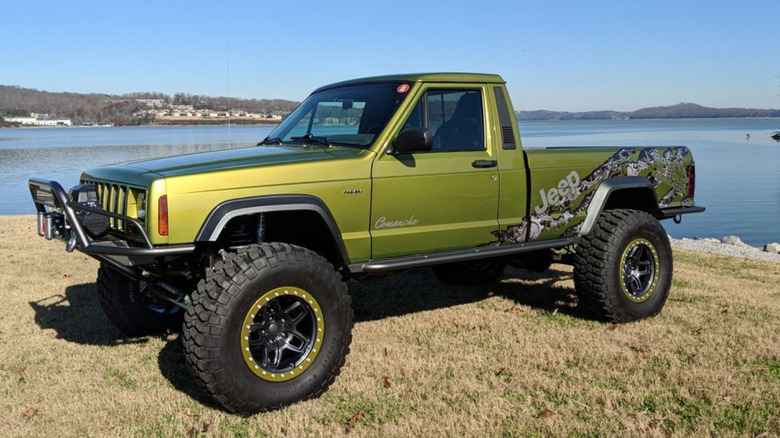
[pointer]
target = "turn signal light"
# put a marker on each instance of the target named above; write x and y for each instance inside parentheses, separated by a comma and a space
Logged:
(162, 215)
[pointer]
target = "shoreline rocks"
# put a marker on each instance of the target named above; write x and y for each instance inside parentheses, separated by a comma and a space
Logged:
(729, 245)
(773, 248)
(732, 240)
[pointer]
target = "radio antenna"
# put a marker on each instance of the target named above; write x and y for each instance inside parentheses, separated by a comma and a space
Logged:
(227, 69)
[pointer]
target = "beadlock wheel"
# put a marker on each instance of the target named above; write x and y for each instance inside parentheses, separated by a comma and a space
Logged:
(269, 326)
(640, 270)
(282, 334)
(624, 266)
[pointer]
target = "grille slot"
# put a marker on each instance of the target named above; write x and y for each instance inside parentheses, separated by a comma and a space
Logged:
(122, 199)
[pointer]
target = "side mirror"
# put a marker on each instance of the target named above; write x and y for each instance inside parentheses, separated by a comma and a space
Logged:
(413, 140)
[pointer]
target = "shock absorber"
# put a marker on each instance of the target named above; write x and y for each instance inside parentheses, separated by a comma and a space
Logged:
(239, 233)
(244, 231)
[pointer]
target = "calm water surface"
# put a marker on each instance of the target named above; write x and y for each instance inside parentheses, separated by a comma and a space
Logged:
(63, 153)
(738, 178)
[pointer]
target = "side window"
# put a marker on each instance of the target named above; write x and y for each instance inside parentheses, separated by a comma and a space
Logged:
(417, 119)
(454, 117)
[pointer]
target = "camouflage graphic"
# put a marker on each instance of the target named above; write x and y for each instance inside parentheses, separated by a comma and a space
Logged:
(563, 212)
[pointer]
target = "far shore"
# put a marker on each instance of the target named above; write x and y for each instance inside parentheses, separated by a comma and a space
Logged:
(225, 122)
(172, 123)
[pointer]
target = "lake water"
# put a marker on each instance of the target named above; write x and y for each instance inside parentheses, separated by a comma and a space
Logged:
(738, 179)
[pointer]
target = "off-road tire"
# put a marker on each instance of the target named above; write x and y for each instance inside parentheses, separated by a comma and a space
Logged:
(128, 308)
(599, 272)
(470, 273)
(215, 318)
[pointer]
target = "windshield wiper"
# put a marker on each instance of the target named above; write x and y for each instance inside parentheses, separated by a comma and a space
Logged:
(275, 140)
(308, 138)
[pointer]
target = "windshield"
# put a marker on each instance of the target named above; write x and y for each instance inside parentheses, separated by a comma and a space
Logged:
(347, 116)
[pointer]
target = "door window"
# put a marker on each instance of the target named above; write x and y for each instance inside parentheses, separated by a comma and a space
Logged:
(454, 117)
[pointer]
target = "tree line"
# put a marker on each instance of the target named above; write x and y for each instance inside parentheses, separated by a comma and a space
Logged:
(119, 109)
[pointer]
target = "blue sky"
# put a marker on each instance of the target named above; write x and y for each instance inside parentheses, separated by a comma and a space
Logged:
(559, 55)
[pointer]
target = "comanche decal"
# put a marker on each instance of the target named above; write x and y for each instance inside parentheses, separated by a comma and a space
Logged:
(382, 222)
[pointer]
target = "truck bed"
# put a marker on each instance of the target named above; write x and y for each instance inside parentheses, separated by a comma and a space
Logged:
(564, 181)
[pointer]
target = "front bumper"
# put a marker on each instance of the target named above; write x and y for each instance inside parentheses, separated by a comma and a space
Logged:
(57, 219)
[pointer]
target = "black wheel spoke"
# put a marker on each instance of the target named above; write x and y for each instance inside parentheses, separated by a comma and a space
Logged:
(296, 319)
(265, 355)
(264, 313)
(636, 284)
(257, 342)
(296, 304)
(295, 313)
(301, 337)
(639, 251)
(292, 347)
(277, 354)
(276, 307)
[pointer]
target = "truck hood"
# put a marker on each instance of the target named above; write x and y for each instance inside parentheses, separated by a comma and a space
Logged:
(222, 160)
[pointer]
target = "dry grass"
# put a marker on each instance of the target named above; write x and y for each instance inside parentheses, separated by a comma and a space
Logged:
(516, 359)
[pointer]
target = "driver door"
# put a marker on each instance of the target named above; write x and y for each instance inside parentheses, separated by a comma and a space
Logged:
(442, 199)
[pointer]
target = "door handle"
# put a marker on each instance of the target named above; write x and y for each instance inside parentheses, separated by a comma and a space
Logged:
(482, 164)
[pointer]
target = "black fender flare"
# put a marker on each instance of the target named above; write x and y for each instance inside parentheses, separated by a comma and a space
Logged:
(606, 189)
(221, 214)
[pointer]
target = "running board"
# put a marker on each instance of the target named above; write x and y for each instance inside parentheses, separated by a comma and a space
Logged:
(461, 255)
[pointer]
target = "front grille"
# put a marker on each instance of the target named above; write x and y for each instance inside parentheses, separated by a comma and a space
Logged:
(122, 199)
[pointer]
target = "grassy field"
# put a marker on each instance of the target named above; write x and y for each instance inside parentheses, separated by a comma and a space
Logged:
(519, 358)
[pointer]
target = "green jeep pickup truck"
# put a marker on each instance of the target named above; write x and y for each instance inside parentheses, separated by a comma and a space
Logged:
(251, 247)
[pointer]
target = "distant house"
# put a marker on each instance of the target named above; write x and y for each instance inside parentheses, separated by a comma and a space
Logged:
(34, 121)
(154, 103)
(53, 122)
(21, 120)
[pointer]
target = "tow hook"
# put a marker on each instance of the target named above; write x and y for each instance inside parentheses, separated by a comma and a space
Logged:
(677, 219)
(71, 245)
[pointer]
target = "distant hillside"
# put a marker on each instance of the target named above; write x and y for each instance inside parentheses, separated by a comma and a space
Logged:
(125, 109)
(679, 111)
(120, 109)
